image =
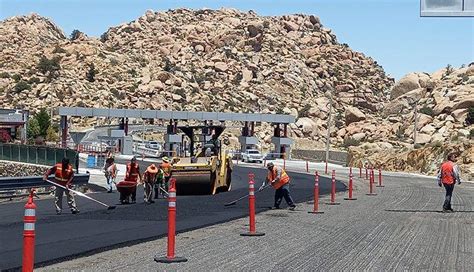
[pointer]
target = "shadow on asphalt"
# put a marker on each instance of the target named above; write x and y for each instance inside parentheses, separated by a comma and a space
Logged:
(426, 211)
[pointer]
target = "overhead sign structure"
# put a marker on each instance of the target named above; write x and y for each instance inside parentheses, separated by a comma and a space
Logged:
(447, 8)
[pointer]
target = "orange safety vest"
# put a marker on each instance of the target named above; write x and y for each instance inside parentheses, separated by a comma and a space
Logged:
(166, 166)
(272, 175)
(132, 172)
(61, 175)
(447, 172)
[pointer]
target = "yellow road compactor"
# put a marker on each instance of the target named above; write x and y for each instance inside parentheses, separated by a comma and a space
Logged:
(206, 168)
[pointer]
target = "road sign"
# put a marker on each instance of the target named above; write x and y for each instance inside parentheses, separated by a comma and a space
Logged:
(77, 136)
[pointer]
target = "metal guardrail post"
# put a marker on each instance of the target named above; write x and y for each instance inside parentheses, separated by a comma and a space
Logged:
(36, 155)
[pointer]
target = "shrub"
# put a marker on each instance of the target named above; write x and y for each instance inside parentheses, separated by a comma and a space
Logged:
(90, 75)
(470, 116)
(44, 121)
(114, 62)
(417, 146)
(132, 72)
(16, 77)
(471, 133)
(75, 34)
(34, 80)
(4, 75)
(437, 144)
(427, 110)
(21, 86)
(51, 66)
(104, 37)
(58, 49)
(349, 141)
(304, 112)
(52, 134)
(4, 136)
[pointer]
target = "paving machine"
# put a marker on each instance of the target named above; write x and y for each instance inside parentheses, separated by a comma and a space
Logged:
(205, 168)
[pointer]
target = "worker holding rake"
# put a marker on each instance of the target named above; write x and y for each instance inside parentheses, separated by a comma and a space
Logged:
(149, 178)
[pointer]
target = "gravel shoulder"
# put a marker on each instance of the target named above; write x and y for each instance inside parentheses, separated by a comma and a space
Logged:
(401, 228)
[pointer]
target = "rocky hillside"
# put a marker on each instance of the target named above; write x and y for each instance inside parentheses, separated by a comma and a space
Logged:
(212, 60)
(443, 101)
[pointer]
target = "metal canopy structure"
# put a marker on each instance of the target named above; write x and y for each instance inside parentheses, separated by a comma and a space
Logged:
(177, 115)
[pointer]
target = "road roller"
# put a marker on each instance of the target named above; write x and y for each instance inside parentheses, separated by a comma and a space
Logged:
(208, 168)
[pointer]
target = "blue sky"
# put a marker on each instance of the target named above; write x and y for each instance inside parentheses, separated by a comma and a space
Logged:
(390, 31)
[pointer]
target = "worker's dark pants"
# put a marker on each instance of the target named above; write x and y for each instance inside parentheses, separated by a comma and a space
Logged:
(283, 192)
(449, 193)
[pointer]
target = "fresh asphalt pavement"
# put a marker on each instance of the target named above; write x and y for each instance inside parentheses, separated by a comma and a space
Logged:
(62, 237)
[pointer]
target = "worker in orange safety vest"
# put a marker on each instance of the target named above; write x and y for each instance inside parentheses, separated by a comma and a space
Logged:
(448, 175)
(280, 181)
(133, 174)
(63, 175)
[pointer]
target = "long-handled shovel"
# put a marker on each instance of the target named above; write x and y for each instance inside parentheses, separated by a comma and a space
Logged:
(245, 196)
(164, 191)
(81, 194)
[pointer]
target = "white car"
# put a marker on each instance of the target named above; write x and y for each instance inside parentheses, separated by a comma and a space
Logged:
(252, 155)
(153, 145)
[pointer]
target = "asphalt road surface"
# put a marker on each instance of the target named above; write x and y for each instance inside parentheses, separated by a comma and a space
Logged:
(62, 237)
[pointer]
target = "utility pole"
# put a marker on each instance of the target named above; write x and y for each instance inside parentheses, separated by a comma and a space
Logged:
(329, 127)
(415, 125)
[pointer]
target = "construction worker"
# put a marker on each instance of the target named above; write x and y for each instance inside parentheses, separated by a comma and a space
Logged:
(280, 181)
(132, 174)
(149, 178)
(166, 167)
(448, 175)
(110, 171)
(63, 175)
(159, 182)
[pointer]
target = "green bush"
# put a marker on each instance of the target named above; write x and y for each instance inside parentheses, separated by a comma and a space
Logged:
(51, 66)
(34, 80)
(4, 75)
(90, 75)
(75, 34)
(426, 110)
(349, 141)
(470, 116)
(114, 62)
(104, 37)
(58, 50)
(16, 77)
(21, 86)
(304, 112)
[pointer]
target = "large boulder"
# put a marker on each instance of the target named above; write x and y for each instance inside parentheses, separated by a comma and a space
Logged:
(423, 138)
(353, 115)
(408, 83)
(306, 125)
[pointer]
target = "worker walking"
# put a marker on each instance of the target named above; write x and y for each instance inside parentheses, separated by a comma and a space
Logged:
(149, 178)
(63, 175)
(160, 179)
(166, 167)
(279, 179)
(448, 175)
(132, 174)
(110, 170)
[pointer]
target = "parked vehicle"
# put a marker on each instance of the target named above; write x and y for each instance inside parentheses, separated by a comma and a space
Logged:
(153, 145)
(252, 155)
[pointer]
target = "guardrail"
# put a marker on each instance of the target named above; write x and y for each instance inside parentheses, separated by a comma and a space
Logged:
(42, 155)
(17, 183)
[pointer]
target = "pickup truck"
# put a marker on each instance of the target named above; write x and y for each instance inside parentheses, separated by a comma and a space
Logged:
(252, 155)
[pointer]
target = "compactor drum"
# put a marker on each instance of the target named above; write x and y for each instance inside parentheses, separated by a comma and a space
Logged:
(203, 174)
